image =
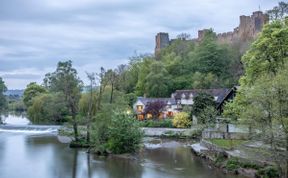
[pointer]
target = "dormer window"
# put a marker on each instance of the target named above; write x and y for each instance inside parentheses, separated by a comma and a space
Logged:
(183, 96)
(172, 95)
(191, 95)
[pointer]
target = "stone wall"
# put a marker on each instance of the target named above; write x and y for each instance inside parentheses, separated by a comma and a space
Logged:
(162, 41)
(224, 135)
(247, 30)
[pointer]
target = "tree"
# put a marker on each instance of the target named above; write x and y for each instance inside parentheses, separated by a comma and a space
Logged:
(267, 54)
(66, 81)
(157, 81)
(211, 57)
(184, 36)
(201, 102)
(208, 116)
(125, 134)
(103, 81)
(87, 105)
(48, 107)
(155, 108)
(112, 78)
(261, 102)
(32, 90)
(3, 101)
(278, 12)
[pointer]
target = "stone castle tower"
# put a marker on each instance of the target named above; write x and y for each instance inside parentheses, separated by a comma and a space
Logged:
(247, 30)
(162, 41)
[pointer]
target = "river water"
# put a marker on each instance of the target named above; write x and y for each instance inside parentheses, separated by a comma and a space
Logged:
(36, 152)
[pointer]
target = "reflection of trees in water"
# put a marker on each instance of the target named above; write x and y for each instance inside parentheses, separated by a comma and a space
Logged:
(17, 113)
(123, 167)
(75, 162)
(172, 158)
(89, 166)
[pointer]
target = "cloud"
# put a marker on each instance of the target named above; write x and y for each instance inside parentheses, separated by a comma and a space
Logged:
(35, 35)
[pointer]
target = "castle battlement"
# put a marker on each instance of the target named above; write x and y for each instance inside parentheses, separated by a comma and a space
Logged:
(248, 29)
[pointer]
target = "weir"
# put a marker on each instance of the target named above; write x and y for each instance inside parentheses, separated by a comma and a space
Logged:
(30, 129)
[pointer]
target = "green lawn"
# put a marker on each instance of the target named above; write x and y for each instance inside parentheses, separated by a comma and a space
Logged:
(226, 144)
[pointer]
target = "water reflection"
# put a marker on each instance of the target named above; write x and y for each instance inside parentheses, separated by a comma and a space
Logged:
(43, 156)
(15, 118)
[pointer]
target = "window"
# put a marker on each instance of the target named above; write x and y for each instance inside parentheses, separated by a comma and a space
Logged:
(140, 117)
(139, 108)
(170, 114)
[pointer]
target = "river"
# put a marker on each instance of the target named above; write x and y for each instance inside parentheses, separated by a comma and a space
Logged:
(36, 152)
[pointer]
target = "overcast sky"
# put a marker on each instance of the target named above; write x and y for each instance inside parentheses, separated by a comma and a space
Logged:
(36, 34)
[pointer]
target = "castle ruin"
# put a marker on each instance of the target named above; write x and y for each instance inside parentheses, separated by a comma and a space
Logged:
(247, 30)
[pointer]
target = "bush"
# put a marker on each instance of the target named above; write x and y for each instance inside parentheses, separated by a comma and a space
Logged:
(268, 172)
(181, 120)
(232, 164)
(166, 123)
(125, 134)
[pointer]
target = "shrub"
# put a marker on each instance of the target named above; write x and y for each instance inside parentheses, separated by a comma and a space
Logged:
(181, 120)
(232, 164)
(166, 123)
(268, 172)
(125, 134)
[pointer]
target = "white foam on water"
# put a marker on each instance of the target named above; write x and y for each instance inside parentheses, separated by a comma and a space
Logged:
(29, 131)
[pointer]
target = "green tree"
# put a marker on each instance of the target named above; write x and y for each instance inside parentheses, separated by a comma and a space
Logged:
(209, 56)
(208, 116)
(261, 100)
(144, 70)
(32, 90)
(66, 81)
(3, 101)
(125, 134)
(267, 54)
(112, 77)
(278, 12)
(87, 104)
(48, 107)
(201, 102)
(157, 81)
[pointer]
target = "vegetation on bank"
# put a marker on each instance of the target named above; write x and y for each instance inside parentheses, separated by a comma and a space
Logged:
(234, 164)
(226, 144)
(3, 100)
(165, 123)
(261, 101)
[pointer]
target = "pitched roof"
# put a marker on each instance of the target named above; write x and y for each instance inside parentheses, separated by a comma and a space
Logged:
(220, 93)
(150, 100)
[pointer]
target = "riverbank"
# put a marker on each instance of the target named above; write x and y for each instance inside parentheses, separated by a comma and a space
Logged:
(171, 132)
(244, 158)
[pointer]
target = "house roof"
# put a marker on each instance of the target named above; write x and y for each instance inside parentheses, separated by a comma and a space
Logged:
(219, 93)
(150, 100)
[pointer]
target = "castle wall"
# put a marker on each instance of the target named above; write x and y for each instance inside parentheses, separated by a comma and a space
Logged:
(247, 30)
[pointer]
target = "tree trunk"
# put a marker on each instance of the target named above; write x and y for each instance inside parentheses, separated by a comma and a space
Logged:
(88, 133)
(271, 130)
(89, 113)
(75, 162)
(75, 125)
(286, 154)
(111, 96)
